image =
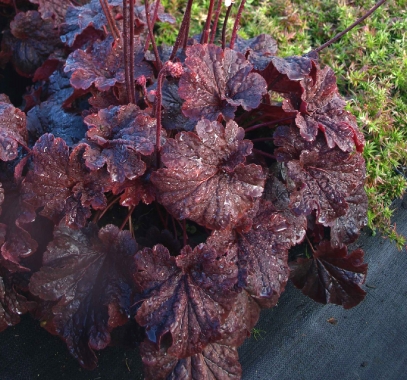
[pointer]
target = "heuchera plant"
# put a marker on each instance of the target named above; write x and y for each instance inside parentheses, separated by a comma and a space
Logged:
(162, 189)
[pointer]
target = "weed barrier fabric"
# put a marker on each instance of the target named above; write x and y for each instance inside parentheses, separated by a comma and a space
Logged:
(295, 341)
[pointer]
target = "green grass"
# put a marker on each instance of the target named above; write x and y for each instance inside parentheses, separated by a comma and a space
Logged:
(371, 67)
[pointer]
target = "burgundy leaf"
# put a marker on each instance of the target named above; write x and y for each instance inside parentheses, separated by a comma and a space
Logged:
(206, 179)
(278, 194)
(1, 201)
(103, 66)
(12, 131)
(331, 276)
(215, 362)
(62, 184)
(15, 242)
(172, 116)
(241, 320)
(283, 75)
(325, 180)
(83, 23)
(257, 50)
(120, 135)
(347, 228)
(324, 177)
(31, 41)
(12, 303)
(187, 298)
(322, 108)
(87, 274)
(55, 9)
(217, 81)
(135, 191)
(261, 254)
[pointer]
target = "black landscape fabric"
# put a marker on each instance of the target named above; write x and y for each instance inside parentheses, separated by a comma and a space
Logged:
(296, 340)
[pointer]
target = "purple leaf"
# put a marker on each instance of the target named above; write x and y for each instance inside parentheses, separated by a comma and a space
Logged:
(12, 131)
(217, 81)
(206, 179)
(87, 274)
(187, 298)
(331, 276)
(215, 362)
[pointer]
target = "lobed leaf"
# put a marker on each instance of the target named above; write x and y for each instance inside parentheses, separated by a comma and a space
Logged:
(87, 275)
(206, 179)
(331, 276)
(261, 254)
(322, 108)
(187, 298)
(216, 82)
(215, 362)
(103, 66)
(12, 131)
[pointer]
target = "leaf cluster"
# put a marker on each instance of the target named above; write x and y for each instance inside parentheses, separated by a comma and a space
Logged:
(165, 188)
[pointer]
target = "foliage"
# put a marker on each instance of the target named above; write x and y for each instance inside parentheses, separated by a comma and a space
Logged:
(374, 85)
(174, 193)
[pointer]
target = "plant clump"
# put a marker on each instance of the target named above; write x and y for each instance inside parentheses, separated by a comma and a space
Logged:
(174, 187)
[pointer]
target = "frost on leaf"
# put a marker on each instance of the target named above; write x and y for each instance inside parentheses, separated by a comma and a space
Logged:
(215, 362)
(283, 75)
(62, 184)
(331, 276)
(12, 131)
(324, 177)
(187, 298)
(31, 41)
(12, 303)
(119, 136)
(346, 229)
(322, 108)
(87, 276)
(261, 254)
(103, 66)
(257, 50)
(205, 178)
(217, 81)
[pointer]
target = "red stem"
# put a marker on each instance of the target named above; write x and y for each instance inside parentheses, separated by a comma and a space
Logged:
(110, 20)
(131, 53)
(127, 217)
(184, 25)
(184, 232)
(224, 26)
(157, 207)
(205, 33)
(174, 227)
(264, 154)
(103, 212)
(126, 49)
(236, 25)
(215, 21)
(157, 111)
(155, 16)
(252, 128)
(263, 139)
(357, 22)
(151, 34)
